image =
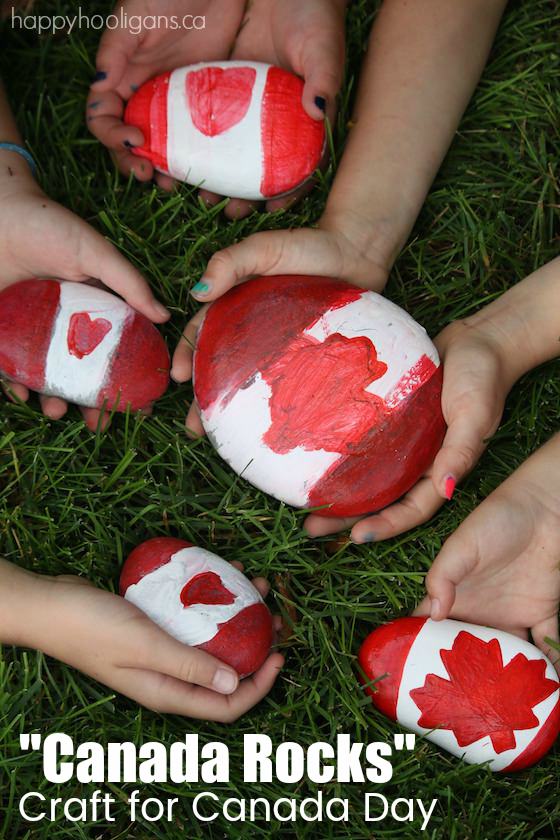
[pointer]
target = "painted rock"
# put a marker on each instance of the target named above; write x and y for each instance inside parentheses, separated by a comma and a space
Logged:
(200, 600)
(236, 128)
(319, 393)
(481, 694)
(80, 343)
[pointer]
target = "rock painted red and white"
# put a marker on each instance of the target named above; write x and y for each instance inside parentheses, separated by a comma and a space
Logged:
(80, 343)
(319, 393)
(200, 600)
(479, 693)
(237, 128)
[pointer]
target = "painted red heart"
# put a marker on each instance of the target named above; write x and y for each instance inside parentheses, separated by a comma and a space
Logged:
(206, 588)
(86, 333)
(219, 99)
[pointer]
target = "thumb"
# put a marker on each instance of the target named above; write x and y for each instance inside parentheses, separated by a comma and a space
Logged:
(469, 427)
(454, 562)
(322, 73)
(168, 656)
(116, 48)
(99, 259)
(303, 251)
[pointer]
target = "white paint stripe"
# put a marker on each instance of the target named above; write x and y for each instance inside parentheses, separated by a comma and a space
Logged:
(158, 595)
(67, 376)
(236, 431)
(230, 163)
(424, 658)
(398, 339)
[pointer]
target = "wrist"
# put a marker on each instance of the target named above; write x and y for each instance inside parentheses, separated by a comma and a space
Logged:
(22, 603)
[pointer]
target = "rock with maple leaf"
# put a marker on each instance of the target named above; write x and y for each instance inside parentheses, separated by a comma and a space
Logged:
(320, 393)
(200, 600)
(481, 694)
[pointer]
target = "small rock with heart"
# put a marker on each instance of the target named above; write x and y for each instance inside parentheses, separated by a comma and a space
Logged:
(237, 128)
(81, 343)
(200, 600)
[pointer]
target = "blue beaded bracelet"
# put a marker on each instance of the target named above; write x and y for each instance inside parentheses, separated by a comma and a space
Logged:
(13, 147)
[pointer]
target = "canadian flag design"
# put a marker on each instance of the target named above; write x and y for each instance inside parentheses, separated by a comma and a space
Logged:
(200, 600)
(479, 693)
(80, 343)
(319, 393)
(237, 128)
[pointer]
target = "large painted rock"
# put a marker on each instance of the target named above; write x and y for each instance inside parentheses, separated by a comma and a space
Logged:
(481, 694)
(200, 600)
(319, 393)
(236, 128)
(80, 343)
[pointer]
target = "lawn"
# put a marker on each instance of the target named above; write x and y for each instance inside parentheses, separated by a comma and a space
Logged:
(75, 502)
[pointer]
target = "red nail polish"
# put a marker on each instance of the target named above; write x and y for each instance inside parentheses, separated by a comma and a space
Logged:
(450, 484)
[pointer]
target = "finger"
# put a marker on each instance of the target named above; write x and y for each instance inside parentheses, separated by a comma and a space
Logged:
(210, 199)
(424, 608)
(14, 391)
(116, 48)
(165, 182)
(321, 526)
(53, 407)
(287, 201)
(100, 259)
(456, 560)
(269, 252)
(181, 364)
(239, 208)
(95, 419)
(322, 64)
(548, 629)
(128, 163)
(262, 586)
(174, 696)
(463, 445)
(193, 423)
(415, 508)
(104, 117)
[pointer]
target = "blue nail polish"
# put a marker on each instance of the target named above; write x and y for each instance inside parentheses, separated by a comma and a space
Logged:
(94, 105)
(321, 103)
(367, 538)
(99, 76)
(128, 144)
(133, 88)
(200, 288)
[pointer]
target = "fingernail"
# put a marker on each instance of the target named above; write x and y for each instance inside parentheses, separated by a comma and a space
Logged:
(201, 288)
(99, 76)
(435, 609)
(321, 103)
(366, 538)
(128, 144)
(224, 681)
(450, 484)
(161, 309)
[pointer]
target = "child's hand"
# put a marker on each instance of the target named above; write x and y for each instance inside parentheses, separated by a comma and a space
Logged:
(40, 238)
(306, 38)
(350, 252)
(502, 565)
(477, 379)
(108, 638)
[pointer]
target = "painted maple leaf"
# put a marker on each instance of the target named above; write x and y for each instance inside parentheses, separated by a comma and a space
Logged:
(482, 697)
(319, 398)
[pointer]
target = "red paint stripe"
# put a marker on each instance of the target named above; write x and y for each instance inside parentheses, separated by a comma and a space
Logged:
(28, 312)
(540, 744)
(249, 328)
(388, 460)
(292, 141)
(384, 654)
(147, 557)
(139, 372)
(147, 110)
(219, 98)
(253, 624)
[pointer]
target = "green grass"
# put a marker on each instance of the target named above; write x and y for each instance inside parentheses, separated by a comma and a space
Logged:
(70, 501)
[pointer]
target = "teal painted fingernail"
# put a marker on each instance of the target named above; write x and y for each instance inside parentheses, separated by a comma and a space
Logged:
(200, 288)
(367, 538)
